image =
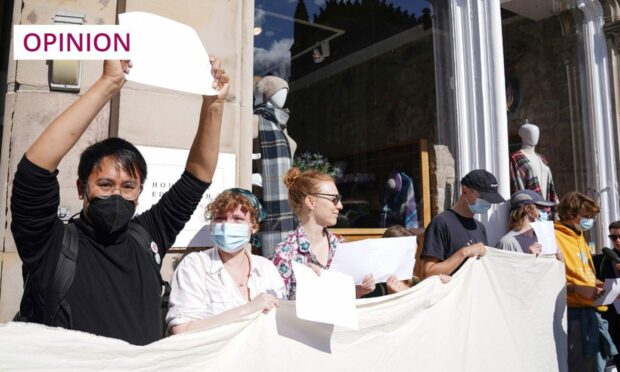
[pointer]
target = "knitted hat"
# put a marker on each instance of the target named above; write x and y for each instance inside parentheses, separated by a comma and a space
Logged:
(269, 85)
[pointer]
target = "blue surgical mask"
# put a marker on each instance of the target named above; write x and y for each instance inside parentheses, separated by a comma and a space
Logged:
(480, 206)
(585, 224)
(542, 216)
(230, 237)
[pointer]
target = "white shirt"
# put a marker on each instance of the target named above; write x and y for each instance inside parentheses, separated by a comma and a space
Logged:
(202, 287)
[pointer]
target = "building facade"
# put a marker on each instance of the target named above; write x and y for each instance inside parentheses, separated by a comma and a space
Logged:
(373, 85)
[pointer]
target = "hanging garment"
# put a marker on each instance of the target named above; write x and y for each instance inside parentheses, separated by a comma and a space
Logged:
(402, 201)
(523, 177)
(275, 162)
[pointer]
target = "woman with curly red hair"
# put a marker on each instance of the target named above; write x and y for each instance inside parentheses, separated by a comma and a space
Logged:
(225, 282)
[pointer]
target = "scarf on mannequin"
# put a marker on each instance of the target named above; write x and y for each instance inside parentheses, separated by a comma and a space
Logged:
(273, 114)
(275, 162)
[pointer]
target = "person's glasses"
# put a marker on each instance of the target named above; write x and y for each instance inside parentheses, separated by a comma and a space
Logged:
(613, 237)
(128, 191)
(334, 198)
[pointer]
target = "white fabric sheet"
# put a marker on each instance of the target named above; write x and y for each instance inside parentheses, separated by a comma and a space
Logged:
(503, 312)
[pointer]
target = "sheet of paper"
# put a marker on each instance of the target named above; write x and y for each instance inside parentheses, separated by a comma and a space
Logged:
(326, 298)
(167, 54)
(612, 290)
(381, 257)
(546, 236)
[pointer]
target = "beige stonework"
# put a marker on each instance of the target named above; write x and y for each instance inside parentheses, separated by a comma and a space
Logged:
(33, 111)
(33, 74)
(9, 104)
(142, 123)
(11, 285)
(443, 179)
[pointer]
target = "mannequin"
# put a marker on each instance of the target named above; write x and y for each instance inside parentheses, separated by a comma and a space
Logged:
(276, 151)
(528, 169)
(276, 101)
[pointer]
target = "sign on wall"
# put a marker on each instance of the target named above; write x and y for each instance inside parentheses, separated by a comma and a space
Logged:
(165, 167)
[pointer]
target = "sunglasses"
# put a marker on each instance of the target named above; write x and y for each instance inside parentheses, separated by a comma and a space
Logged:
(613, 237)
(334, 198)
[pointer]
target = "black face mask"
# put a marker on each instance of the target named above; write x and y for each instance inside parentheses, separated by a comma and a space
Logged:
(111, 214)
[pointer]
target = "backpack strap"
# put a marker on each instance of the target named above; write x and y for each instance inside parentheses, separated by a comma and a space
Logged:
(143, 238)
(140, 235)
(63, 277)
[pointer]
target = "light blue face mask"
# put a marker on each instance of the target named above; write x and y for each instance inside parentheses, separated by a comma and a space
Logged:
(230, 237)
(480, 206)
(585, 224)
(542, 216)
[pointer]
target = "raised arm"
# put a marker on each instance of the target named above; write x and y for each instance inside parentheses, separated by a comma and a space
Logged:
(64, 132)
(204, 152)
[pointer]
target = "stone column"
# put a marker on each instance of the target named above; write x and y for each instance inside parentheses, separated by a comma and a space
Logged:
(474, 31)
(570, 58)
(598, 120)
(612, 32)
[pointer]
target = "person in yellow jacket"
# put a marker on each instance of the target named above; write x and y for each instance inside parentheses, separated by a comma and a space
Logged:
(589, 342)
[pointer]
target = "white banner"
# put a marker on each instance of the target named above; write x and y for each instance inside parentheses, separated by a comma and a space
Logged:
(504, 312)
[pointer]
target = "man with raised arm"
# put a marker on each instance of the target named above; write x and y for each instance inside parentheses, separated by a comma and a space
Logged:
(115, 291)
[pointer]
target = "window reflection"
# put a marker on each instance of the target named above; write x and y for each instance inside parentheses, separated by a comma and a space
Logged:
(361, 79)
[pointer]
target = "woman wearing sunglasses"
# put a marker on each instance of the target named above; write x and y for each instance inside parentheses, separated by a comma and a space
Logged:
(314, 198)
(226, 282)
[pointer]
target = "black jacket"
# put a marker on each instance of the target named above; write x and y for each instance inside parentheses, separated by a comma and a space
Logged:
(115, 292)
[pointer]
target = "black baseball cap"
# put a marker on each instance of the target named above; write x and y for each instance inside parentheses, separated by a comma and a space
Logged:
(485, 183)
(527, 197)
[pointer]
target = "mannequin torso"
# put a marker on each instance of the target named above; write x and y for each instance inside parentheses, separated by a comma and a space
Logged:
(528, 170)
(276, 101)
(539, 167)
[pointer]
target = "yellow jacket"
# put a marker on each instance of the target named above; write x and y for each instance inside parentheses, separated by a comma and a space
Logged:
(579, 266)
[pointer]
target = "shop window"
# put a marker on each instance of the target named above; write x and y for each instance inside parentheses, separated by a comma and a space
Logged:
(361, 79)
(541, 69)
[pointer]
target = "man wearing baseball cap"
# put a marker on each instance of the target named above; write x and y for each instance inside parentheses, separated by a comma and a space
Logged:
(526, 206)
(454, 235)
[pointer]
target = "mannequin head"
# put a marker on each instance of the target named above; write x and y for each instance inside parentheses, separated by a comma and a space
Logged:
(279, 98)
(529, 134)
(274, 89)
